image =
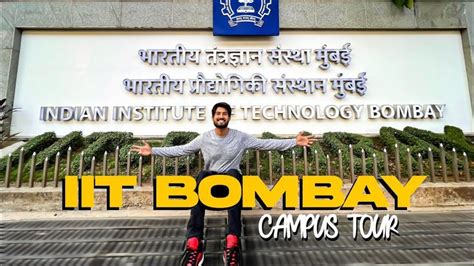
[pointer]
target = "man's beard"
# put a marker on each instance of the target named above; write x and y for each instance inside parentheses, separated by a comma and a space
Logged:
(216, 124)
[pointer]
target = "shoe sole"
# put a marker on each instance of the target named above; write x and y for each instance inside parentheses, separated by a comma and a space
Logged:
(202, 260)
(223, 259)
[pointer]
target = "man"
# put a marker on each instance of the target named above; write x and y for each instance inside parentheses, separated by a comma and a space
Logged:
(222, 149)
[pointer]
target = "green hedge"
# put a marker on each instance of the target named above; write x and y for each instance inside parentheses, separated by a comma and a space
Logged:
(264, 163)
(430, 137)
(134, 156)
(335, 141)
(299, 155)
(288, 159)
(175, 138)
(459, 143)
(316, 146)
(73, 140)
(35, 144)
(390, 136)
(416, 139)
(107, 142)
(298, 150)
(91, 138)
(170, 165)
(457, 137)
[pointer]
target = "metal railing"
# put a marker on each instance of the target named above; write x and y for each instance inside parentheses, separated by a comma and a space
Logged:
(334, 166)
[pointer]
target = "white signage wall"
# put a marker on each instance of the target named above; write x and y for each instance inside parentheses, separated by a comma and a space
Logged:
(78, 81)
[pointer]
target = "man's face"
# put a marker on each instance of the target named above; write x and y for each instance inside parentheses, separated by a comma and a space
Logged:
(221, 118)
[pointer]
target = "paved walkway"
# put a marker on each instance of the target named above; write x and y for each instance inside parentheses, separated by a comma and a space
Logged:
(446, 237)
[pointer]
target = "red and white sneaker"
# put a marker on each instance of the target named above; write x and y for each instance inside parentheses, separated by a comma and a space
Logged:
(232, 253)
(193, 254)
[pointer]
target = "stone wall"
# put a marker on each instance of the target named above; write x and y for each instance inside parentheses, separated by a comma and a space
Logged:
(197, 14)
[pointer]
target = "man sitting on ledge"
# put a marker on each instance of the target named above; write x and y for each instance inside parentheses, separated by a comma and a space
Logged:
(222, 149)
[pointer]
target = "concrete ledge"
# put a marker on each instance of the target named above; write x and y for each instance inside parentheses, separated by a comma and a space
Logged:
(152, 214)
(429, 195)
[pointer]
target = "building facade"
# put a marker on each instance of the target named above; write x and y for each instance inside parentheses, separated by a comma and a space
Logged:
(23, 24)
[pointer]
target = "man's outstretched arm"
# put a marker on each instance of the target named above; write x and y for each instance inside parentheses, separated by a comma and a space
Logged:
(279, 144)
(175, 151)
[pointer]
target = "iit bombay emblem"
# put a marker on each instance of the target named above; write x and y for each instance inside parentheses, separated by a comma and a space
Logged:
(246, 11)
(245, 18)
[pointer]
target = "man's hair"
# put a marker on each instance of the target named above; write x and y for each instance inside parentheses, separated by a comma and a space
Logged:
(223, 105)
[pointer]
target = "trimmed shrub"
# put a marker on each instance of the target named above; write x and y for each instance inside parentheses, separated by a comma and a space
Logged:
(436, 139)
(73, 140)
(335, 141)
(118, 139)
(428, 136)
(298, 150)
(264, 163)
(321, 158)
(288, 155)
(175, 138)
(462, 143)
(134, 156)
(170, 165)
(455, 133)
(405, 140)
(91, 138)
(107, 142)
(35, 144)
(269, 135)
(299, 156)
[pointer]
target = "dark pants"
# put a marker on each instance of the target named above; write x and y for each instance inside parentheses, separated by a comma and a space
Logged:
(196, 221)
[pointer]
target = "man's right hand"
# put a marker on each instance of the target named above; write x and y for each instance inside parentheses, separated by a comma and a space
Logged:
(144, 150)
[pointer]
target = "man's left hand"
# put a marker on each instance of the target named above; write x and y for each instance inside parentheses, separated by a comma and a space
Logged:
(304, 141)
